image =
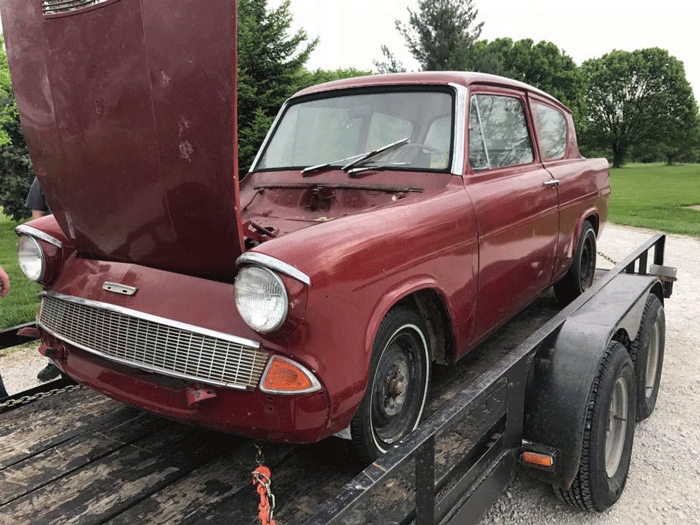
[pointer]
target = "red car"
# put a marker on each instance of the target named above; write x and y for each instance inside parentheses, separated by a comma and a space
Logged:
(387, 223)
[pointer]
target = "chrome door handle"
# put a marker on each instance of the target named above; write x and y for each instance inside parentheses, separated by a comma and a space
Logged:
(554, 182)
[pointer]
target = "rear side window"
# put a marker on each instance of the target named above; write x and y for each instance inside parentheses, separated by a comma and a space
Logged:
(498, 134)
(551, 131)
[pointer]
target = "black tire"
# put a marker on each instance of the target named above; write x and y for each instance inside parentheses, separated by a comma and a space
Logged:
(580, 276)
(397, 386)
(648, 355)
(608, 435)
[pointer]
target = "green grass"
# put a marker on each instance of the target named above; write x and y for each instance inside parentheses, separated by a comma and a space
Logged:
(657, 197)
(21, 303)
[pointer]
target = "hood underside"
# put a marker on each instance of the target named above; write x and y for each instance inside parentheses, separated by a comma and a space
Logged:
(128, 111)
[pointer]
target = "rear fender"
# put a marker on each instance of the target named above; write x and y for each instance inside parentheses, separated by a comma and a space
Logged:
(562, 375)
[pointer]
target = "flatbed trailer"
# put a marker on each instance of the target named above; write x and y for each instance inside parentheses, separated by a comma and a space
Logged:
(71, 455)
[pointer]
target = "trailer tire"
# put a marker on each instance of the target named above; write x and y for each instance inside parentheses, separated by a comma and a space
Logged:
(647, 354)
(580, 276)
(608, 435)
(397, 386)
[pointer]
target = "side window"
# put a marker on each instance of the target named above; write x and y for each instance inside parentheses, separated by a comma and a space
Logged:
(551, 131)
(498, 134)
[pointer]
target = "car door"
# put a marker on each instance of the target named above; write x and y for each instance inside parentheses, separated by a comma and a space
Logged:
(577, 191)
(516, 205)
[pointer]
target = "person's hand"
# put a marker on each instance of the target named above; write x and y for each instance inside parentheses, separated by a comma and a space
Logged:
(4, 283)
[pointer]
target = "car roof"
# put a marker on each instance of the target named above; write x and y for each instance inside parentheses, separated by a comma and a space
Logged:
(462, 78)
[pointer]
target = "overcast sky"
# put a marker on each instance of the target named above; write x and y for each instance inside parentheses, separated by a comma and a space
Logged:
(351, 31)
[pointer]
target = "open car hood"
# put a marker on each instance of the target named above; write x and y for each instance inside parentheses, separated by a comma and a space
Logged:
(128, 111)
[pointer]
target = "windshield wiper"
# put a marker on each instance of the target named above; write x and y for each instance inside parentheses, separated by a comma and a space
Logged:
(358, 159)
(375, 167)
(374, 153)
(305, 172)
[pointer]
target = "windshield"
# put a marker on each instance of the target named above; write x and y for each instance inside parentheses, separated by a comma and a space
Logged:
(321, 131)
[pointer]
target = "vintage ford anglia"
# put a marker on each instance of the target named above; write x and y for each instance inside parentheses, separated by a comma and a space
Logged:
(387, 223)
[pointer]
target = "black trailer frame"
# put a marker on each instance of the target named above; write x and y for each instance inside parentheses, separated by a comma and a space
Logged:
(457, 463)
(462, 492)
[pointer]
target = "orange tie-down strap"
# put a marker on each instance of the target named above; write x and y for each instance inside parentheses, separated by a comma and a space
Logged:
(261, 478)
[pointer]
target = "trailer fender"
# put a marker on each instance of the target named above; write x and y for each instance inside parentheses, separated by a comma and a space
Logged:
(562, 375)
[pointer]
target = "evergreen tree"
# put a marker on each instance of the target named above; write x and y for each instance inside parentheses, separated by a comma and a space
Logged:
(16, 171)
(390, 64)
(8, 109)
(270, 69)
(441, 33)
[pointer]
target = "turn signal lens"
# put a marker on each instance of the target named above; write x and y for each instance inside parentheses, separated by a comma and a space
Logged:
(284, 376)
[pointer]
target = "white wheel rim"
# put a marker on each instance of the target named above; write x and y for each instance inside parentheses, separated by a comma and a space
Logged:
(616, 431)
(424, 348)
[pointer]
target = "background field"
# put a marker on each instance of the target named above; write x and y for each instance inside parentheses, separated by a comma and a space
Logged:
(651, 196)
(657, 197)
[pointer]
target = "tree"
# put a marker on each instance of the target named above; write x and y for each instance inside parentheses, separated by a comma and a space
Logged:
(16, 172)
(390, 64)
(270, 68)
(637, 98)
(8, 108)
(441, 33)
(542, 65)
(319, 76)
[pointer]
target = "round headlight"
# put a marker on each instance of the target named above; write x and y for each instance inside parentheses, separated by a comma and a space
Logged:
(31, 257)
(261, 298)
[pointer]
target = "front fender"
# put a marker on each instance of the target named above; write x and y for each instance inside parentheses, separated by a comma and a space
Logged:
(389, 299)
(359, 266)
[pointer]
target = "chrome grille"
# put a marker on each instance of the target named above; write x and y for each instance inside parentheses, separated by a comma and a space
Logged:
(172, 350)
(56, 7)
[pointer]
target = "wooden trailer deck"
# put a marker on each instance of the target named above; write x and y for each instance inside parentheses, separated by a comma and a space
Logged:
(80, 457)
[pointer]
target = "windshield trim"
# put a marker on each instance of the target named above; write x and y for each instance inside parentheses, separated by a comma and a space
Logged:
(459, 128)
(265, 142)
(459, 98)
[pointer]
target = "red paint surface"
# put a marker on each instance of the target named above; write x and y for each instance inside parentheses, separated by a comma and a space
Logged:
(128, 117)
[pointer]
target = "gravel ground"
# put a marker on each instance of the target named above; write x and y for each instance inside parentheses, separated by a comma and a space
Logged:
(664, 480)
(19, 366)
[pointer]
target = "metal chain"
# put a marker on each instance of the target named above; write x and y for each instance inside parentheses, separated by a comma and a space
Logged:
(609, 259)
(39, 395)
(259, 456)
(267, 498)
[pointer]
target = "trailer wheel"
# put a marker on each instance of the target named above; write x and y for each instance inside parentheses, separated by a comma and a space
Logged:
(648, 355)
(608, 435)
(397, 386)
(580, 276)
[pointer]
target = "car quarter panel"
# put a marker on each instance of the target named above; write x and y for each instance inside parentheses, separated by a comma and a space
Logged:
(584, 191)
